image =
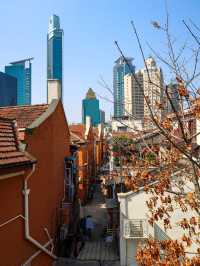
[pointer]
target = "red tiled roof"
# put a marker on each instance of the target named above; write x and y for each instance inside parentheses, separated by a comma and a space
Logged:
(76, 139)
(79, 130)
(24, 115)
(10, 154)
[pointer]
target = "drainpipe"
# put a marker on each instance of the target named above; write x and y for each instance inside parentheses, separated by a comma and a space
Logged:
(26, 215)
(27, 263)
(71, 184)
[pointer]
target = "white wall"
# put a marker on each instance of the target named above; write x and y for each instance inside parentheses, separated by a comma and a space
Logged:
(129, 125)
(133, 206)
(54, 90)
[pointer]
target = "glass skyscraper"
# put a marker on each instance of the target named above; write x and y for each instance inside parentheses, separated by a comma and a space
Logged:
(90, 107)
(21, 70)
(55, 51)
(121, 68)
(8, 90)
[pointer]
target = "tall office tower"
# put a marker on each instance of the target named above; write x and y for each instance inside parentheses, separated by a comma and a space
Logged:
(173, 93)
(90, 107)
(133, 96)
(55, 52)
(102, 117)
(154, 90)
(121, 68)
(8, 90)
(21, 70)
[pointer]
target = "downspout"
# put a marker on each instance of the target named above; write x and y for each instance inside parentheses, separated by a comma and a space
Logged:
(71, 185)
(26, 215)
(27, 263)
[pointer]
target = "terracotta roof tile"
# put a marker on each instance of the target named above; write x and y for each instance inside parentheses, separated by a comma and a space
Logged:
(10, 154)
(76, 139)
(78, 129)
(24, 115)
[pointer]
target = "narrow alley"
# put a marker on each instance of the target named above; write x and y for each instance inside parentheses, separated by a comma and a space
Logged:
(96, 252)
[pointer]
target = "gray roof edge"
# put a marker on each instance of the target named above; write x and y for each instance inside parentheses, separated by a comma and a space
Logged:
(130, 193)
(51, 108)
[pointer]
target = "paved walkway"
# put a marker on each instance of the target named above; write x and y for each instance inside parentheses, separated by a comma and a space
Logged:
(68, 262)
(97, 249)
(95, 252)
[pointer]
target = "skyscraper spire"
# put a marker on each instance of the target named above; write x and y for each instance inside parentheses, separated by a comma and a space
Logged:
(54, 23)
(55, 52)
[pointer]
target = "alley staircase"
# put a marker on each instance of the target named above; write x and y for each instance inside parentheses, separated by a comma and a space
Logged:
(96, 252)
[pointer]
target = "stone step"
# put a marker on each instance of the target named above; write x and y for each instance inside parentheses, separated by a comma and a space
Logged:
(98, 250)
(73, 262)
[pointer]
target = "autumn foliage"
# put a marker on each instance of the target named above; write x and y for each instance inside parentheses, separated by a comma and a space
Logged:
(169, 174)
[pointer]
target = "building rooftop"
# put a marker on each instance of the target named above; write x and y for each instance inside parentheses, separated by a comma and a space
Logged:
(121, 60)
(54, 23)
(22, 61)
(75, 139)
(78, 130)
(25, 115)
(10, 153)
(90, 94)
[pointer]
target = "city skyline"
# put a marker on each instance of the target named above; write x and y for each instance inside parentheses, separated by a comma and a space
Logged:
(100, 143)
(81, 71)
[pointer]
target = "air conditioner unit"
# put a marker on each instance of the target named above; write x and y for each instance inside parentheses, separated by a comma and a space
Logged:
(136, 228)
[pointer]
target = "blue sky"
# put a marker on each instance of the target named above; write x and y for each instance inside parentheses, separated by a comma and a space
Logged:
(90, 28)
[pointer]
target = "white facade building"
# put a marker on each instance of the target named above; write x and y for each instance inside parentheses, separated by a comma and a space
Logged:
(133, 95)
(126, 124)
(154, 89)
(134, 226)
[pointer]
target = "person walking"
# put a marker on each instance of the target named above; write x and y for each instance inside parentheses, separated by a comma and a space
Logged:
(89, 226)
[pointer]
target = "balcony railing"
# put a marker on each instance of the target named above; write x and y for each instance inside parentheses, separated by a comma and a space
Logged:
(135, 228)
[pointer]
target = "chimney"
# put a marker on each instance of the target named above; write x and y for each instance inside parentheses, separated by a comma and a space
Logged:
(100, 129)
(53, 90)
(87, 125)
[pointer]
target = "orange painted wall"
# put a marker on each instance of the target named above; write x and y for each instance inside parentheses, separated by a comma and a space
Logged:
(91, 159)
(82, 172)
(14, 249)
(49, 144)
(99, 152)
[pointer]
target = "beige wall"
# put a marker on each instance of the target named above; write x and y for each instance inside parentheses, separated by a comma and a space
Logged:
(54, 90)
(128, 95)
(153, 90)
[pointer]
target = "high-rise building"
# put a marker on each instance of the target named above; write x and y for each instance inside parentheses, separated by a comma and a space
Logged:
(153, 90)
(55, 51)
(21, 70)
(174, 95)
(133, 96)
(102, 117)
(90, 107)
(121, 68)
(8, 90)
